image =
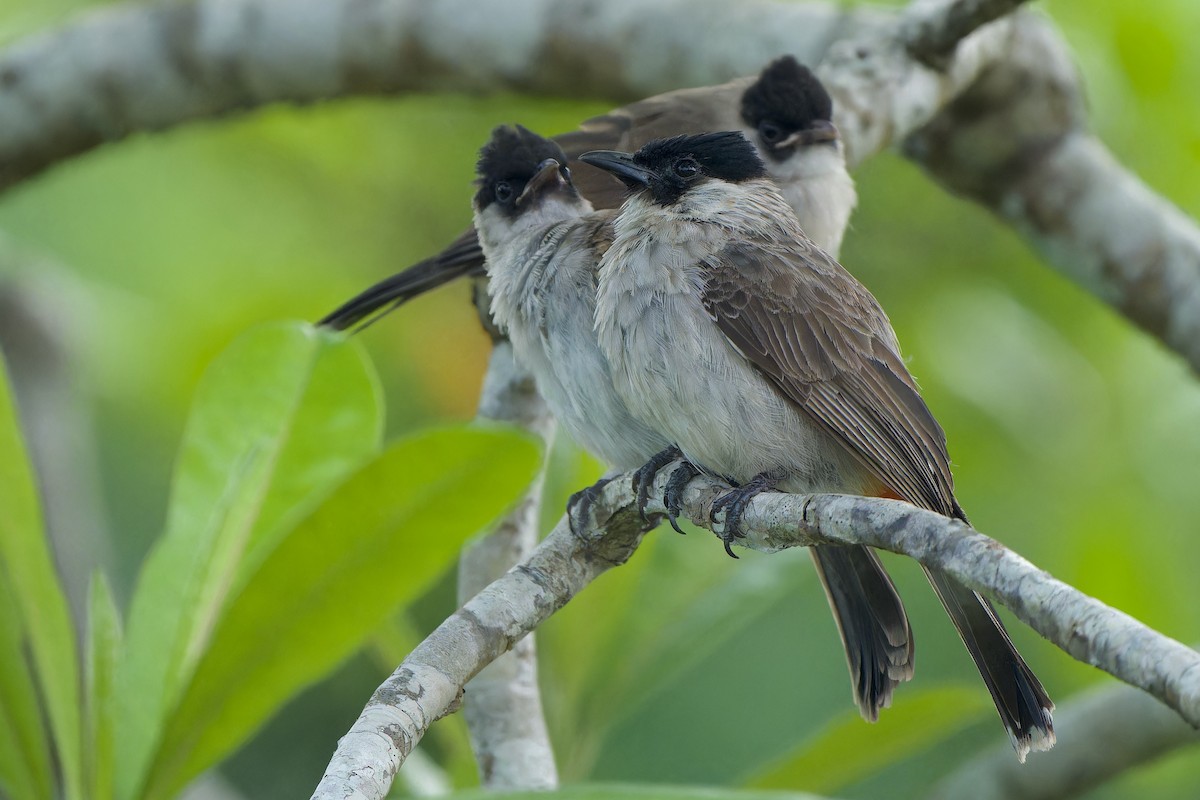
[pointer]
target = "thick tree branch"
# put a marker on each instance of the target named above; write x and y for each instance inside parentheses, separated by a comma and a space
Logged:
(426, 684)
(1100, 735)
(503, 704)
(126, 69)
(1016, 142)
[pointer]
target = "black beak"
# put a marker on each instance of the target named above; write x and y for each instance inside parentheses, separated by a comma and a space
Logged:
(620, 165)
(550, 175)
(821, 131)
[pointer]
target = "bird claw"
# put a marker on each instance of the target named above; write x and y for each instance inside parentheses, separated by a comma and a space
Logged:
(643, 478)
(579, 506)
(734, 503)
(673, 493)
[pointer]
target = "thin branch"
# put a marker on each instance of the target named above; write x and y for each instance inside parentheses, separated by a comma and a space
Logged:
(425, 685)
(429, 683)
(503, 704)
(1101, 734)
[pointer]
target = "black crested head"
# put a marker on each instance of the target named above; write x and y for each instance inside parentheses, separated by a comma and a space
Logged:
(786, 98)
(508, 161)
(681, 161)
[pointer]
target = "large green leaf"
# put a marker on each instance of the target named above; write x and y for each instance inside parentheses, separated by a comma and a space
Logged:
(603, 791)
(45, 621)
(376, 543)
(278, 418)
(103, 650)
(24, 750)
(849, 749)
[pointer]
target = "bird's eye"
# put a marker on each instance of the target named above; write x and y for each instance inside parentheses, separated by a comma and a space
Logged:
(566, 172)
(770, 132)
(503, 191)
(686, 167)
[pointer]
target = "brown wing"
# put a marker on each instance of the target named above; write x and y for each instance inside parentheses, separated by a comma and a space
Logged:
(821, 337)
(824, 341)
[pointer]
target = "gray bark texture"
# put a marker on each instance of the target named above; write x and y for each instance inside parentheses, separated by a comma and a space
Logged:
(503, 704)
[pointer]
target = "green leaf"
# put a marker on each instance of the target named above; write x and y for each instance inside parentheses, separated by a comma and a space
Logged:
(103, 648)
(671, 635)
(28, 569)
(849, 749)
(602, 791)
(278, 418)
(24, 750)
(375, 544)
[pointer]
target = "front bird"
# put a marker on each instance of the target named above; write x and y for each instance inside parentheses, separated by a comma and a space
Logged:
(734, 336)
(543, 247)
(785, 110)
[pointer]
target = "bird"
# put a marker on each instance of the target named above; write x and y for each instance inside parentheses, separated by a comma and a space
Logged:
(543, 246)
(785, 110)
(729, 331)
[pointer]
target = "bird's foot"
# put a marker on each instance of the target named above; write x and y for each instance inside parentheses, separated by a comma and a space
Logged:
(643, 479)
(734, 503)
(673, 494)
(579, 506)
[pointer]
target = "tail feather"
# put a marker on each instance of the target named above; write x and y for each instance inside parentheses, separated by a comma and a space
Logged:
(871, 620)
(461, 259)
(1023, 704)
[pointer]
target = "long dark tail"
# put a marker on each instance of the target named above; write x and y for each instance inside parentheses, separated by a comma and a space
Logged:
(871, 619)
(461, 259)
(1023, 704)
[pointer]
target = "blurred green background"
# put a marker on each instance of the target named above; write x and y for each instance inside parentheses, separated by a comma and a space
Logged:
(1076, 439)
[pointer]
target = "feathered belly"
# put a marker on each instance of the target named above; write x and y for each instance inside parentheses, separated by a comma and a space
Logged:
(725, 416)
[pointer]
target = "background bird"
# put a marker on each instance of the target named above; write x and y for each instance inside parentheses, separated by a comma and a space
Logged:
(785, 110)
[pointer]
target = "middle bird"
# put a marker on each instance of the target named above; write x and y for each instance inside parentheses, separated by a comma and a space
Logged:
(736, 338)
(543, 245)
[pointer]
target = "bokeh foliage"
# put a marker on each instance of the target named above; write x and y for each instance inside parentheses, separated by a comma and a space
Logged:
(1076, 439)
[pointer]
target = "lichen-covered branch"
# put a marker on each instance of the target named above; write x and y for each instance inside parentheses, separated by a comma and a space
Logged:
(503, 704)
(148, 67)
(430, 680)
(1101, 734)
